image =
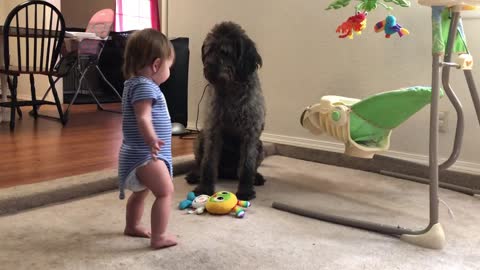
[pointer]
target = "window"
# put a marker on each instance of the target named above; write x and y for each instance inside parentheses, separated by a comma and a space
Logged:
(136, 14)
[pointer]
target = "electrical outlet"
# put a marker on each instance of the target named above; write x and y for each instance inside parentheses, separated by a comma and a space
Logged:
(443, 121)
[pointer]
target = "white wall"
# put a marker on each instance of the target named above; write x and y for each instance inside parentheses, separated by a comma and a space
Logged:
(5, 7)
(304, 60)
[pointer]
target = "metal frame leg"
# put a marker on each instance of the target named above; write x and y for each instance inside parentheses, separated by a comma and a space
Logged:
(451, 94)
(99, 104)
(67, 111)
(111, 86)
(433, 235)
(460, 116)
(430, 237)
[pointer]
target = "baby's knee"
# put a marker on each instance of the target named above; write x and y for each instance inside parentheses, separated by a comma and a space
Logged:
(164, 191)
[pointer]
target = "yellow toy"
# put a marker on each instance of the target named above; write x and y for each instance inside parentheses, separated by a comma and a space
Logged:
(224, 202)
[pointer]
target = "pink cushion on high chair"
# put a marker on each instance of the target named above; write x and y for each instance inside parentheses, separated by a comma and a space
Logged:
(101, 23)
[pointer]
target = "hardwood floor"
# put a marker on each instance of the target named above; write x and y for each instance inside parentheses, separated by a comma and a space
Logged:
(41, 150)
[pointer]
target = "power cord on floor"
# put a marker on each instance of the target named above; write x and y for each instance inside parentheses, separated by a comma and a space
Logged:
(192, 134)
(450, 211)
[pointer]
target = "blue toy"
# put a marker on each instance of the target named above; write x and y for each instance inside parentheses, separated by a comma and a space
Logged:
(390, 26)
(188, 202)
(196, 203)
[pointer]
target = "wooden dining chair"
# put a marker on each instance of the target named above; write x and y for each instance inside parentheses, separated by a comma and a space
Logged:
(33, 35)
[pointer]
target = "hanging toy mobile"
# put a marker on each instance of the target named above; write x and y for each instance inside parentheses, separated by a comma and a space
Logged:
(358, 22)
(390, 26)
(354, 24)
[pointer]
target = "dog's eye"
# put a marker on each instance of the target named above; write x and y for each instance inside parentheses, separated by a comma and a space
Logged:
(225, 50)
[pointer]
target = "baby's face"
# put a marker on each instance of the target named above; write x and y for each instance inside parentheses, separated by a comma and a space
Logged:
(161, 70)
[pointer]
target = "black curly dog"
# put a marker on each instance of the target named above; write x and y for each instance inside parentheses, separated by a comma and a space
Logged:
(229, 144)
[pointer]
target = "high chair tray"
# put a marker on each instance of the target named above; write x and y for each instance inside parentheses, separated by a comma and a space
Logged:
(83, 35)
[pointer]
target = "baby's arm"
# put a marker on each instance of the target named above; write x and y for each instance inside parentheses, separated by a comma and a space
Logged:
(143, 114)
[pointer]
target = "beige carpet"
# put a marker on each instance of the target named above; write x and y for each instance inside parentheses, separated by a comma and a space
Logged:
(86, 233)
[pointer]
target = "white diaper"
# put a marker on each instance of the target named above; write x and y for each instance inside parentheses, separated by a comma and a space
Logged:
(132, 183)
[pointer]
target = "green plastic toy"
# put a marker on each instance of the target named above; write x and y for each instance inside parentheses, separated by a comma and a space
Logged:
(372, 118)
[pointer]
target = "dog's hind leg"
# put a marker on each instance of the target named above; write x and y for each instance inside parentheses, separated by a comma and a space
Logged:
(212, 146)
(259, 179)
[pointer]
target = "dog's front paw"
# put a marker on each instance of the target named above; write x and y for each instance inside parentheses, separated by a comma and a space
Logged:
(259, 180)
(246, 194)
(204, 190)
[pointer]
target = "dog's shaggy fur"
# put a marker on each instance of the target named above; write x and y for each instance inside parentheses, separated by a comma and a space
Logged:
(229, 144)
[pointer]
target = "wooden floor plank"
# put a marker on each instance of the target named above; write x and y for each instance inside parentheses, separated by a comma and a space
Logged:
(41, 150)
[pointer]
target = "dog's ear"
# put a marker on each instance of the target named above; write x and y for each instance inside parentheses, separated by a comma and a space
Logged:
(249, 58)
(203, 52)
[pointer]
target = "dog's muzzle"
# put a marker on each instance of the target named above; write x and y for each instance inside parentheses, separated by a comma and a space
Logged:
(216, 75)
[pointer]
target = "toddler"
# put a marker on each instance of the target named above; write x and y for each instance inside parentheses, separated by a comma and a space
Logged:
(145, 160)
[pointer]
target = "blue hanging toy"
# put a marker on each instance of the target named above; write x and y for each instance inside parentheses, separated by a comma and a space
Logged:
(390, 26)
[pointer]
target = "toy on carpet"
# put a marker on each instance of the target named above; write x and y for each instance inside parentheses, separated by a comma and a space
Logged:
(390, 26)
(365, 126)
(354, 24)
(358, 22)
(197, 203)
(224, 202)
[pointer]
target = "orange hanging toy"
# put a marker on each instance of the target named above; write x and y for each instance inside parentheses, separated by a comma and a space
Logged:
(354, 24)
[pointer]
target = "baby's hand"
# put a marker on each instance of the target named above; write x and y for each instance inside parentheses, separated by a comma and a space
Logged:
(155, 147)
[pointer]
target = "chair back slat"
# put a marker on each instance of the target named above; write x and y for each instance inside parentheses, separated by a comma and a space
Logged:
(38, 29)
(35, 38)
(19, 51)
(27, 59)
(43, 34)
(49, 38)
(55, 41)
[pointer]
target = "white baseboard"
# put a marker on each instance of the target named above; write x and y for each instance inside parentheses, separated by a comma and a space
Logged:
(191, 125)
(460, 166)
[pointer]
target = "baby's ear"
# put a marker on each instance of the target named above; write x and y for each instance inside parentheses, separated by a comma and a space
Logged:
(157, 63)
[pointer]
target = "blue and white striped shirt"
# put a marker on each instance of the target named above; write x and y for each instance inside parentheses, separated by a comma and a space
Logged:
(134, 151)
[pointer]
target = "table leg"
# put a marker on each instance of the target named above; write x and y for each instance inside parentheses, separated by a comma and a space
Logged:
(3, 86)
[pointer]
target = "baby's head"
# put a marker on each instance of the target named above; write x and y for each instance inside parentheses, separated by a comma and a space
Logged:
(148, 53)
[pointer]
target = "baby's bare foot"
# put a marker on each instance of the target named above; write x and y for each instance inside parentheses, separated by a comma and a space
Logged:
(163, 242)
(137, 231)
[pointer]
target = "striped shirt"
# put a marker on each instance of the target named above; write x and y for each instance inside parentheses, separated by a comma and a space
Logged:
(134, 151)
